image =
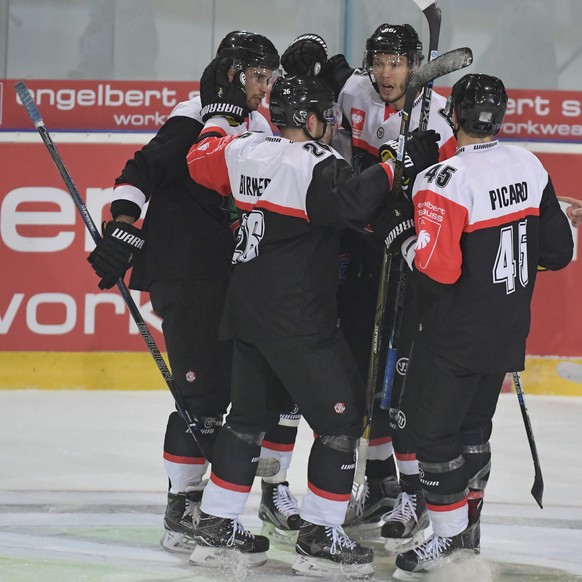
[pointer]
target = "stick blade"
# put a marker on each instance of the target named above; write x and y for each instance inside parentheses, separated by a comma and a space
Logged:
(444, 64)
(537, 489)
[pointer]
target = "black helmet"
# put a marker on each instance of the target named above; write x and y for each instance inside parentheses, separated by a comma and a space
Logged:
(479, 102)
(250, 49)
(292, 98)
(394, 39)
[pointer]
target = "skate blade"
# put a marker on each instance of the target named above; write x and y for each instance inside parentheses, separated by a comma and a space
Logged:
(321, 568)
(364, 531)
(437, 566)
(221, 557)
(404, 575)
(278, 535)
(178, 543)
(401, 545)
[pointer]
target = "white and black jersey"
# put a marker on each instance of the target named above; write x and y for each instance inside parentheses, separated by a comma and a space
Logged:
(485, 219)
(374, 122)
(296, 196)
(186, 226)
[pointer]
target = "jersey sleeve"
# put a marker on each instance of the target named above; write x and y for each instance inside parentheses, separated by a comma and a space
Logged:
(163, 156)
(556, 244)
(336, 197)
(440, 222)
(207, 164)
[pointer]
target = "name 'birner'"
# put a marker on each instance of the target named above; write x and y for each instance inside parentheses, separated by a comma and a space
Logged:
(506, 195)
(252, 186)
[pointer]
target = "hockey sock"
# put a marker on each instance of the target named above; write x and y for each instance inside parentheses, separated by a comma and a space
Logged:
(329, 480)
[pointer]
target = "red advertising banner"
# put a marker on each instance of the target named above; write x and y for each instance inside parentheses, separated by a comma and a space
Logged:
(49, 300)
(74, 105)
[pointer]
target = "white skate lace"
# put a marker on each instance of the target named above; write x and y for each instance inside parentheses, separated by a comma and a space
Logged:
(192, 508)
(238, 528)
(433, 548)
(339, 539)
(284, 501)
(358, 501)
(404, 509)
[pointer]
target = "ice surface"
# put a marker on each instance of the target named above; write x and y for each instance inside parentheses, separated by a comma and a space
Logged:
(82, 493)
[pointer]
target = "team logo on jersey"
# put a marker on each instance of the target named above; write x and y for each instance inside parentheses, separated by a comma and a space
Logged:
(357, 117)
(380, 133)
(340, 407)
(428, 234)
(401, 366)
(401, 419)
(190, 376)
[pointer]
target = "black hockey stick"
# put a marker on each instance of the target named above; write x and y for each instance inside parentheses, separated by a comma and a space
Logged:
(537, 489)
(268, 465)
(432, 12)
(443, 65)
(433, 16)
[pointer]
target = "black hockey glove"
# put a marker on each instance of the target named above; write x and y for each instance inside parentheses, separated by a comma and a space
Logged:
(305, 56)
(220, 96)
(336, 72)
(115, 252)
(394, 223)
(421, 151)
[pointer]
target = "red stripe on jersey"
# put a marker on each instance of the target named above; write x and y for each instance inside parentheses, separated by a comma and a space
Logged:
(228, 485)
(207, 164)
(389, 111)
(440, 222)
(184, 460)
(327, 495)
(283, 447)
(210, 128)
(278, 209)
(364, 145)
(405, 457)
(388, 168)
(380, 441)
(448, 149)
(449, 507)
(505, 219)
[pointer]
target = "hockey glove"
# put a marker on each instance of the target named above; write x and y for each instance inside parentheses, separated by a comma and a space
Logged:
(336, 72)
(305, 56)
(115, 252)
(219, 95)
(421, 151)
(394, 223)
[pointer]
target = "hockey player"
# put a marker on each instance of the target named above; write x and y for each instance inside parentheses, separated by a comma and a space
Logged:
(372, 99)
(281, 311)
(487, 220)
(185, 266)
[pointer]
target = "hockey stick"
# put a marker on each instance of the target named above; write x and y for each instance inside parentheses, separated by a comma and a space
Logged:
(433, 16)
(268, 465)
(537, 489)
(570, 371)
(443, 65)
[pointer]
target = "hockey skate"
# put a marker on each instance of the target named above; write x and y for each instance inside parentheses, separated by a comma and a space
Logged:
(408, 524)
(218, 538)
(325, 552)
(437, 552)
(182, 513)
(279, 512)
(364, 515)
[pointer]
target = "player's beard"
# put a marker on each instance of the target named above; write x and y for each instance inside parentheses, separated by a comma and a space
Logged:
(401, 90)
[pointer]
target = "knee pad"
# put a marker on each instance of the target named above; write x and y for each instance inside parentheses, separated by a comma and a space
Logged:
(342, 443)
(248, 438)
